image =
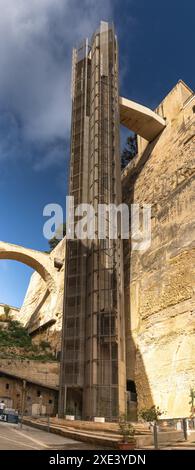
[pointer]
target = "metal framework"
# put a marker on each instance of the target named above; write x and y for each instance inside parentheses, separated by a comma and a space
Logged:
(93, 372)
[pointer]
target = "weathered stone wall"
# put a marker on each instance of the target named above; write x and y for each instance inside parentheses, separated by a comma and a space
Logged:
(45, 376)
(41, 312)
(45, 373)
(159, 282)
(13, 313)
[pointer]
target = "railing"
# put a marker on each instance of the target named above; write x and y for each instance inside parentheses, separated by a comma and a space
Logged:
(177, 424)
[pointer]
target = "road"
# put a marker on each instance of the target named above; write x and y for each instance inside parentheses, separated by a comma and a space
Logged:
(27, 438)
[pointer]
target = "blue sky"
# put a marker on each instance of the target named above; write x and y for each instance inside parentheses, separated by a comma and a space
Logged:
(156, 44)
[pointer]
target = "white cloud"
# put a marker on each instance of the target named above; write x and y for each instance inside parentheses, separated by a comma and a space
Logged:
(36, 39)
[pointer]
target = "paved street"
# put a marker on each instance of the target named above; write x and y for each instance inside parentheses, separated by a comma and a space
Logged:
(27, 438)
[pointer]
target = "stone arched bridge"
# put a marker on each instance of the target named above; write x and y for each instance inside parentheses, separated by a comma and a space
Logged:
(37, 260)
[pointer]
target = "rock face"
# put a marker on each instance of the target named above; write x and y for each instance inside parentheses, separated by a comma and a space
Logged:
(13, 312)
(42, 311)
(159, 287)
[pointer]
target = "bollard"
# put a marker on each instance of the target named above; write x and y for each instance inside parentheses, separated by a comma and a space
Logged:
(185, 429)
(155, 432)
(48, 424)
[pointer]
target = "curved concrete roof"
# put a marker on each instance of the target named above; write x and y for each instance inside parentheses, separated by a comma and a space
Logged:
(140, 119)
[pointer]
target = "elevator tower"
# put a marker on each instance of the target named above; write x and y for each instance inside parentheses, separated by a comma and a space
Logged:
(93, 371)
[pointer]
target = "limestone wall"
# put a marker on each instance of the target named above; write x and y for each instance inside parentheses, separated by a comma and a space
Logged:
(41, 312)
(13, 313)
(159, 283)
(45, 373)
(45, 380)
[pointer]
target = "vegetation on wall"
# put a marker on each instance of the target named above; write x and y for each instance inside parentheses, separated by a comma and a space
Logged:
(192, 401)
(15, 341)
(14, 335)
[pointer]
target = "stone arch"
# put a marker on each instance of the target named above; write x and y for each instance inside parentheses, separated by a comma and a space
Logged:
(37, 260)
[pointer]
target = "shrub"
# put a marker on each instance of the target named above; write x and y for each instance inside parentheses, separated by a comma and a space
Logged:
(151, 414)
(15, 335)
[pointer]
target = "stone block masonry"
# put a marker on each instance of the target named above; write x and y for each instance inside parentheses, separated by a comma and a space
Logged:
(159, 283)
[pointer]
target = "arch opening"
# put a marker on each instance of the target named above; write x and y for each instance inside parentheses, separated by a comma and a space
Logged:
(14, 281)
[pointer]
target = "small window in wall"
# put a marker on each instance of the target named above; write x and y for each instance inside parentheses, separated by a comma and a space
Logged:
(7, 386)
(131, 386)
(38, 393)
(18, 395)
(50, 402)
(193, 109)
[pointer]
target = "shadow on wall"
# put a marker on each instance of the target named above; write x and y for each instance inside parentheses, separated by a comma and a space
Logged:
(136, 372)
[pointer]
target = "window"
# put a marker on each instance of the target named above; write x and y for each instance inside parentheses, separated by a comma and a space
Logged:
(50, 402)
(193, 109)
(7, 386)
(131, 388)
(38, 393)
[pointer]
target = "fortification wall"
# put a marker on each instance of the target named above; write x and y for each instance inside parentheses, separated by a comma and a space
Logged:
(159, 282)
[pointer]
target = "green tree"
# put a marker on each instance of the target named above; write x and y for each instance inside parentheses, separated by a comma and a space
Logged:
(129, 151)
(192, 400)
(54, 241)
(151, 415)
(7, 311)
(126, 428)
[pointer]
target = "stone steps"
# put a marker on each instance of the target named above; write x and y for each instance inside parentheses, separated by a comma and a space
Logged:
(113, 428)
(106, 440)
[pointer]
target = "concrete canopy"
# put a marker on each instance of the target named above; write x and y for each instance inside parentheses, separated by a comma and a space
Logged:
(140, 119)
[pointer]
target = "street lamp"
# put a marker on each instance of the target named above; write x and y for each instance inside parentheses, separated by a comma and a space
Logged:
(23, 401)
(40, 404)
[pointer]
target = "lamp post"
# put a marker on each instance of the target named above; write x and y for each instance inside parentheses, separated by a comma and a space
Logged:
(23, 401)
(185, 429)
(40, 404)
